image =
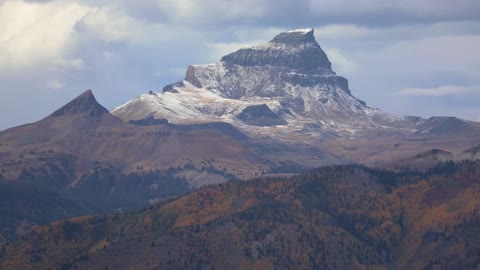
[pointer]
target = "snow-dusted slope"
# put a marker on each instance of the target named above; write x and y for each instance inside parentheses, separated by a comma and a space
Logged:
(290, 74)
(188, 104)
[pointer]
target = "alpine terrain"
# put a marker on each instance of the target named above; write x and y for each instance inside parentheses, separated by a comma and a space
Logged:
(286, 89)
(82, 160)
(221, 171)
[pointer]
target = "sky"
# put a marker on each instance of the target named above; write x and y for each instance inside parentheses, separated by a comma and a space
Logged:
(409, 57)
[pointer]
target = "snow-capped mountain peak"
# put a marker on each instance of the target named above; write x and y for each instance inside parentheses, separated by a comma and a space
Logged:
(302, 31)
(278, 88)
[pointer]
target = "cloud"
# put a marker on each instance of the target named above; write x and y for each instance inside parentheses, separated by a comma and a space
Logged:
(349, 32)
(220, 49)
(33, 34)
(55, 85)
(439, 91)
(123, 48)
(73, 64)
(113, 25)
(386, 12)
(386, 66)
(207, 11)
(426, 59)
(211, 13)
(178, 72)
(108, 25)
(340, 63)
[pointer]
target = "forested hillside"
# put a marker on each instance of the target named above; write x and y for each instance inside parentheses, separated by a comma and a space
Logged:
(339, 217)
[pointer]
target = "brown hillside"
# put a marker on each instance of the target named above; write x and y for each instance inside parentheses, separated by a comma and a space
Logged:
(344, 217)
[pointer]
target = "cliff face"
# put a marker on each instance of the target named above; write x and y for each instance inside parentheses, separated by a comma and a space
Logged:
(296, 50)
(290, 67)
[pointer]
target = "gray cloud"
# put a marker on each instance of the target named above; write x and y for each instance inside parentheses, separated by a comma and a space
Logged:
(288, 13)
(124, 48)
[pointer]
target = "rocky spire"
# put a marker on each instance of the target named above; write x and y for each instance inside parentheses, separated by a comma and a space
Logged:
(83, 104)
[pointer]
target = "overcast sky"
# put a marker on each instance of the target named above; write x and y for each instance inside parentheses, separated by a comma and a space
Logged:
(409, 57)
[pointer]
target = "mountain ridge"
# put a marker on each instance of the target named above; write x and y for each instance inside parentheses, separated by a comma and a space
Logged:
(313, 104)
(94, 161)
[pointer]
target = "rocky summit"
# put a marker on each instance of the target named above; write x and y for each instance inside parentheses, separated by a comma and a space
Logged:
(290, 75)
(296, 50)
(84, 104)
(285, 89)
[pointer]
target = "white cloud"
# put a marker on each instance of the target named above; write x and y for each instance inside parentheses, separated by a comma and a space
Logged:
(73, 64)
(178, 72)
(55, 85)
(450, 54)
(111, 25)
(439, 91)
(34, 33)
(432, 60)
(341, 64)
(343, 31)
(209, 11)
(220, 49)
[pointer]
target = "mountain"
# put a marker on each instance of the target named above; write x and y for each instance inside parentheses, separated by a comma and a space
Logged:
(285, 89)
(269, 110)
(85, 133)
(84, 105)
(429, 159)
(337, 217)
(83, 160)
(290, 76)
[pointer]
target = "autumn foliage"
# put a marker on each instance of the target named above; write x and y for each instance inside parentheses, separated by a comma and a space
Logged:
(338, 217)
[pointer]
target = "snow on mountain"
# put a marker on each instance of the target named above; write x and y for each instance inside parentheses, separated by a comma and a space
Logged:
(302, 31)
(290, 74)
